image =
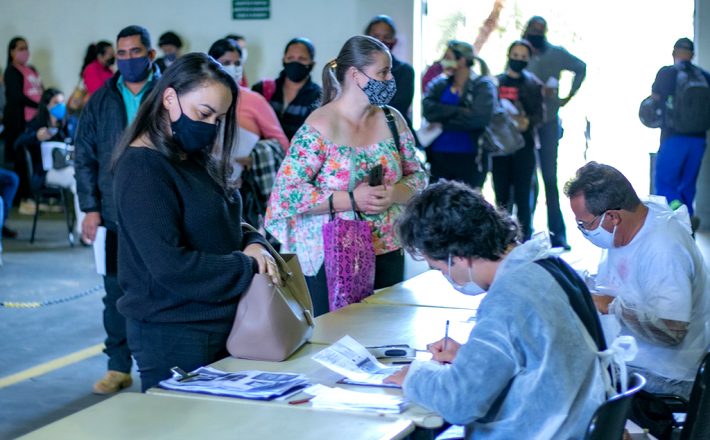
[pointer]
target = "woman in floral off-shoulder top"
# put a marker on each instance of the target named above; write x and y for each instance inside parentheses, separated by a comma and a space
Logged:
(331, 156)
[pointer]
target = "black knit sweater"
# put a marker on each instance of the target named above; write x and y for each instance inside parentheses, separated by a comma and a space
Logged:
(180, 242)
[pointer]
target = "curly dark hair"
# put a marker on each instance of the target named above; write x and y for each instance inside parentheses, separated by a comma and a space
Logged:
(451, 218)
(603, 187)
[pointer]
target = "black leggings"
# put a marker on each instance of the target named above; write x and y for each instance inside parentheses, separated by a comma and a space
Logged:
(389, 270)
(514, 174)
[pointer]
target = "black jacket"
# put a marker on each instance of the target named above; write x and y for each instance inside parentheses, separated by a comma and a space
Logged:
(101, 126)
(472, 114)
(16, 101)
(295, 114)
(530, 97)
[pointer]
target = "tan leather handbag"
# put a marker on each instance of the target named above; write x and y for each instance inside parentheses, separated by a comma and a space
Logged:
(272, 322)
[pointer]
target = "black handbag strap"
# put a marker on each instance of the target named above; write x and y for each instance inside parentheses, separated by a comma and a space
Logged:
(579, 297)
(392, 124)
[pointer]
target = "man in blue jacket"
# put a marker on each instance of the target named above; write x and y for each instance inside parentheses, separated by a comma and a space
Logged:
(109, 111)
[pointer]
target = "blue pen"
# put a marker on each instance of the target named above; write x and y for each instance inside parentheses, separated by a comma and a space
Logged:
(446, 334)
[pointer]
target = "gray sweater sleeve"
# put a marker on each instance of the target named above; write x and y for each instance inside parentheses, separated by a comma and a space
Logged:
(575, 65)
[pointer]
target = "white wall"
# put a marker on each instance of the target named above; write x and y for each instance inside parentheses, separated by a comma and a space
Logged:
(58, 32)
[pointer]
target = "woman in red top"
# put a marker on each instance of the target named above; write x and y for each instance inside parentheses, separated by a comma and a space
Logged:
(97, 66)
(23, 89)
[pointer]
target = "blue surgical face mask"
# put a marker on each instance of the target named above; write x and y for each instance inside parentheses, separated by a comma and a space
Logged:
(58, 111)
(600, 237)
(470, 288)
(134, 70)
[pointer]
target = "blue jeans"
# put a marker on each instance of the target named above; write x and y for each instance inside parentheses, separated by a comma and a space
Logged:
(9, 182)
(158, 347)
(549, 134)
(677, 167)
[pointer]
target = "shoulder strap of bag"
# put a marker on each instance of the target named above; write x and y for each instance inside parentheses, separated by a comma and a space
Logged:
(391, 124)
(579, 297)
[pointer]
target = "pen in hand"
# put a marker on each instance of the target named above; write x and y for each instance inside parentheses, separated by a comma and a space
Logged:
(446, 334)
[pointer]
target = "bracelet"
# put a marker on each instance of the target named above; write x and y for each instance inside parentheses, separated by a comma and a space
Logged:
(352, 201)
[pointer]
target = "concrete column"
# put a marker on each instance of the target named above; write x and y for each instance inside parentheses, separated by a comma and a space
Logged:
(702, 58)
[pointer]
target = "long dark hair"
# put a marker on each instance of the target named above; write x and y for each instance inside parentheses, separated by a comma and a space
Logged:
(186, 74)
(11, 46)
(92, 52)
(357, 52)
(42, 108)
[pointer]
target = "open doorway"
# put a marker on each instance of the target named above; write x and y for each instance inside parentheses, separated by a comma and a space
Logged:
(623, 43)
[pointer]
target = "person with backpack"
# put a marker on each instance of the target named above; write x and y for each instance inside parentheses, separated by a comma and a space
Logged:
(682, 91)
(463, 103)
(293, 95)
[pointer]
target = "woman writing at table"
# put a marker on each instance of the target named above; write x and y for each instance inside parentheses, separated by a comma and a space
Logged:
(183, 260)
(530, 365)
(330, 158)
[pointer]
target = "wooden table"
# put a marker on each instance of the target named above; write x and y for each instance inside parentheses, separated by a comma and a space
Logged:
(301, 362)
(141, 416)
(429, 289)
(379, 324)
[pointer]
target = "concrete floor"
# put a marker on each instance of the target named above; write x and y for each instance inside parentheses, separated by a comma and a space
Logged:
(48, 270)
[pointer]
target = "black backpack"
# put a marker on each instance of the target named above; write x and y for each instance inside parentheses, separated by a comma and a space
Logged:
(689, 107)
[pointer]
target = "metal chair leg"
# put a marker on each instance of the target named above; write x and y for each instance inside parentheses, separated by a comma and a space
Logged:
(67, 217)
(34, 222)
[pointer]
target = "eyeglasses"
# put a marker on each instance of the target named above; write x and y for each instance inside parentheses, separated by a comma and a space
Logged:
(584, 227)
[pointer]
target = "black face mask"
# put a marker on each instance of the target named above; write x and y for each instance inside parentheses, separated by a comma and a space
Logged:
(193, 136)
(517, 65)
(110, 61)
(296, 71)
(537, 41)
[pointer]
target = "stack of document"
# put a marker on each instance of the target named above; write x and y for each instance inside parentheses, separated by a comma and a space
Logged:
(342, 399)
(259, 385)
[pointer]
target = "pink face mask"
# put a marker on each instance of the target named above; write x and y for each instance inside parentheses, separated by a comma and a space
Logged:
(22, 56)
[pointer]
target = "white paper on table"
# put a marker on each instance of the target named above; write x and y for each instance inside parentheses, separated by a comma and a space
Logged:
(246, 140)
(342, 399)
(351, 359)
(100, 250)
(46, 149)
(552, 83)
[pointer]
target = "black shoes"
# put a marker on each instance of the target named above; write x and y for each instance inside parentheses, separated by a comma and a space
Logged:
(560, 242)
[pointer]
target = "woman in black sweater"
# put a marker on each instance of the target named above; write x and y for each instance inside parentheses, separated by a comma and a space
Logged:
(183, 260)
(23, 88)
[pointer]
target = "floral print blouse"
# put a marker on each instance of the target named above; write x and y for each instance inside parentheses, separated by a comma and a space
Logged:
(313, 169)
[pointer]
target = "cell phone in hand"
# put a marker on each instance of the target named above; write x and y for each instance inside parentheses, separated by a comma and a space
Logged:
(375, 176)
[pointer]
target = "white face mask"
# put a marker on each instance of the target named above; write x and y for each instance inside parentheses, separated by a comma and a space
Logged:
(236, 72)
(470, 288)
(600, 237)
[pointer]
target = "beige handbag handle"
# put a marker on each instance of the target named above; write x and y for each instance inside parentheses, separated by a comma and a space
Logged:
(283, 267)
(279, 259)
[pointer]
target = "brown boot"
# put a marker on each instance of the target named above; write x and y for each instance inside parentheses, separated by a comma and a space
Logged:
(112, 382)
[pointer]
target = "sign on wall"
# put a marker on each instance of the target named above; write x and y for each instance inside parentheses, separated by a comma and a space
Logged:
(250, 9)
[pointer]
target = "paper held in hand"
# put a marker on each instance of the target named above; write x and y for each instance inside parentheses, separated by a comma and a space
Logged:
(356, 363)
